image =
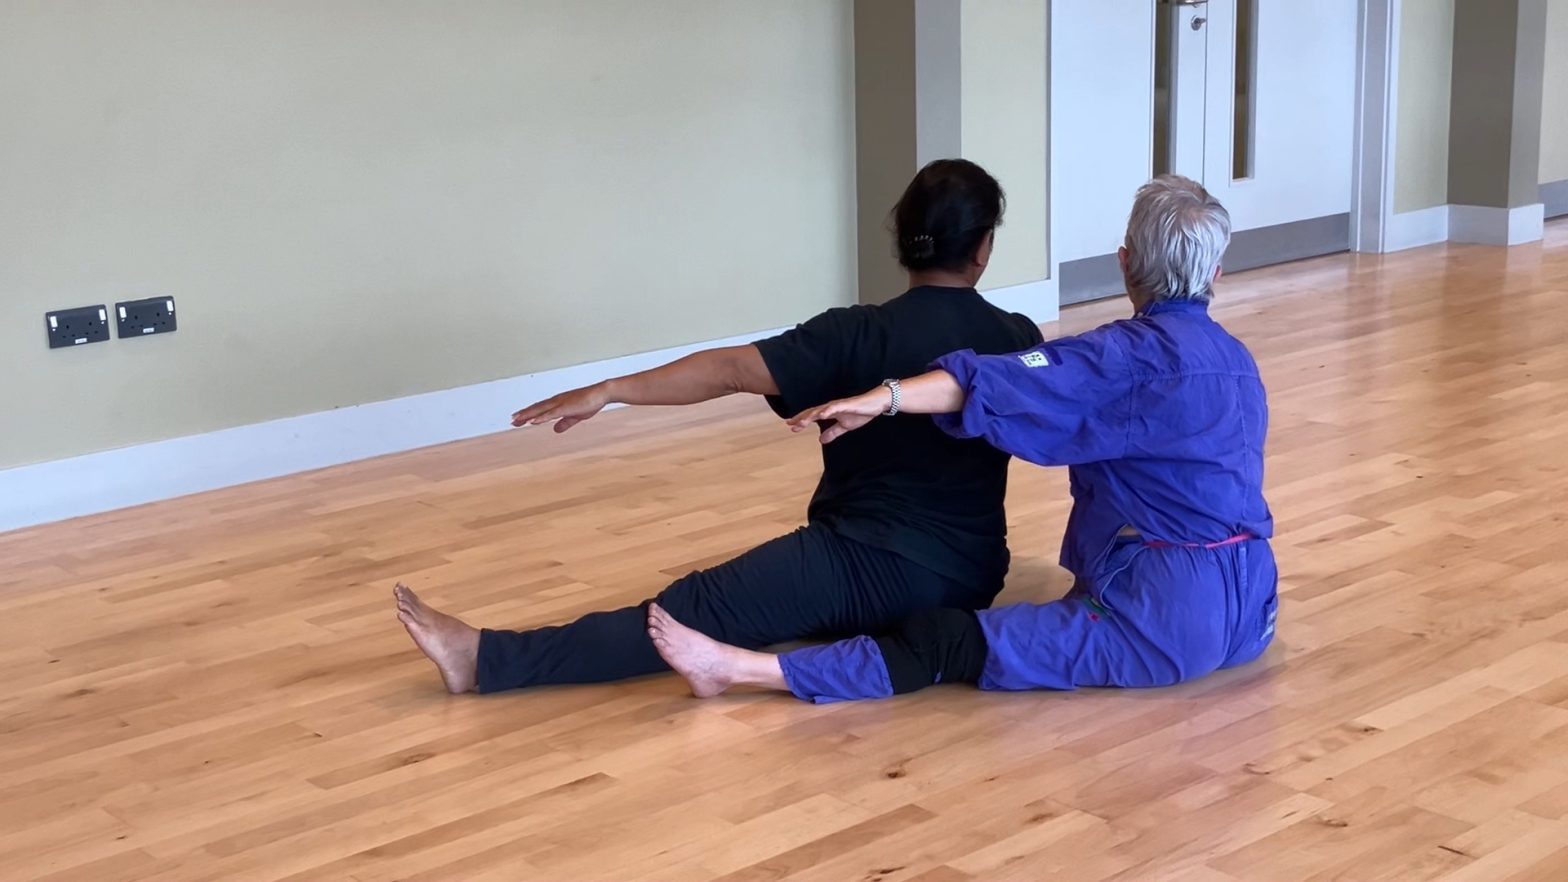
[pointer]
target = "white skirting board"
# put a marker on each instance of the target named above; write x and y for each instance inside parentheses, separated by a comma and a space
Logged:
(1465, 223)
(1554, 195)
(1412, 229)
(113, 479)
(1496, 226)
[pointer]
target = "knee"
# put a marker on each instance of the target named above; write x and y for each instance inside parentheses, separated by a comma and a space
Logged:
(686, 600)
(934, 646)
(677, 599)
(1199, 663)
(700, 602)
(1168, 656)
(927, 626)
(1256, 635)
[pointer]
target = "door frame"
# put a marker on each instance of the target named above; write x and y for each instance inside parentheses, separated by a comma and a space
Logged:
(1372, 179)
(1377, 88)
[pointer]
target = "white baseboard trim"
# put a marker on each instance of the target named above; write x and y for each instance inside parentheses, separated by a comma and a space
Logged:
(1484, 225)
(1554, 195)
(1037, 300)
(113, 479)
(1412, 229)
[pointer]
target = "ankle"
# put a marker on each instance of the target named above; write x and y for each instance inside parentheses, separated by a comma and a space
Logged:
(755, 668)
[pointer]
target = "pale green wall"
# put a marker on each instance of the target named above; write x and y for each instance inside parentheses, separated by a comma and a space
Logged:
(361, 199)
(1005, 121)
(1554, 95)
(1426, 55)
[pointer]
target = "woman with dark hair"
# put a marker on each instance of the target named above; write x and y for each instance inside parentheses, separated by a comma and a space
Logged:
(886, 534)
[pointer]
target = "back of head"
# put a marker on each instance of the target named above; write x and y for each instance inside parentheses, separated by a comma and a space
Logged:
(946, 212)
(1176, 236)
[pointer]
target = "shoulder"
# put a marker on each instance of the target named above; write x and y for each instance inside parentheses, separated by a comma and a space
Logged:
(1102, 350)
(994, 328)
(835, 322)
(1168, 343)
(1025, 327)
(851, 313)
(1239, 350)
(1115, 337)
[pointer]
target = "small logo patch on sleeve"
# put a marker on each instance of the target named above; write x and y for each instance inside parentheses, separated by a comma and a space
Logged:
(1034, 359)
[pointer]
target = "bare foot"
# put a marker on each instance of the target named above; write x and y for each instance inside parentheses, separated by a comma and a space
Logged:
(710, 667)
(449, 642)
(694, 655)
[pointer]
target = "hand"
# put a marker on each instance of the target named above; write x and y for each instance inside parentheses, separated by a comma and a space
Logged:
(847, 414)
(567, 409)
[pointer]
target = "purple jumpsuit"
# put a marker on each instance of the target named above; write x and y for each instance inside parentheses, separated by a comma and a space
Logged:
(1161, 420)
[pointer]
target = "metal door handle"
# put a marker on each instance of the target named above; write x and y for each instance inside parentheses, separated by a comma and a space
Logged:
(1184, 2)
(1198, 22)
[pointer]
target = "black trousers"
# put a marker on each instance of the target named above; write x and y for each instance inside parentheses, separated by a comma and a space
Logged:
(810, 584)
(934, 646)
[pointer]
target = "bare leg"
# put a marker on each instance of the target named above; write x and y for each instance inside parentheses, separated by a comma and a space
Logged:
(449, 642)
(710, 667)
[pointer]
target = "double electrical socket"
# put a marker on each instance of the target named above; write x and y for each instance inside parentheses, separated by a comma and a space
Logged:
(75, 327)
(90, 324)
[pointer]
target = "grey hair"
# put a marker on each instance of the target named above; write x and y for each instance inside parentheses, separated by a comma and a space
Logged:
(1176, 235)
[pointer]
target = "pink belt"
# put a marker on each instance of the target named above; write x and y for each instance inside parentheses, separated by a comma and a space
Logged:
(1240, 537)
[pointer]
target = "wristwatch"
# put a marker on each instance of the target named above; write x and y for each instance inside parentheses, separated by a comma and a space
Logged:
(898, 398)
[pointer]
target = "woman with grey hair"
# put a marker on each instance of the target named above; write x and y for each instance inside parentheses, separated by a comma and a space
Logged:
(1160, 420)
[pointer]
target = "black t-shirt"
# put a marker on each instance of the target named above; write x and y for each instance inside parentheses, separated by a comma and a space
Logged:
(900, 483)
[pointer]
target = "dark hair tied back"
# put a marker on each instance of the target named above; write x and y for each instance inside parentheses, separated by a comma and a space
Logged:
(945, 214)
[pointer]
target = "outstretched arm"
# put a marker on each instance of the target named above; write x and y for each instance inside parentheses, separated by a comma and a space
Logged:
(701, 376)
(1062, 403)
(934, 392)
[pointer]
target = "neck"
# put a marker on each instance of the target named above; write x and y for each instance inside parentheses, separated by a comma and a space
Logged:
(1139, 304)
(942, 279)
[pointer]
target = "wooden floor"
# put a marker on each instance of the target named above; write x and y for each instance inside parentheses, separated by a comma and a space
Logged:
(217, 688)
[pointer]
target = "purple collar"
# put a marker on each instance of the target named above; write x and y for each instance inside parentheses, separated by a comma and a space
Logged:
(1188, 307)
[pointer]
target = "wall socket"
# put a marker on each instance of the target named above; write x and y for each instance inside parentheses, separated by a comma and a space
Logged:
(141, 318)
(76, 327)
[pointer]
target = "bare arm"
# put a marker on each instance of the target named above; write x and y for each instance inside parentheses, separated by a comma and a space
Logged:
(701, 376)
(934, 392)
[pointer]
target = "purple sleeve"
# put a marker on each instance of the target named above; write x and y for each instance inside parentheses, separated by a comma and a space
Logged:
(1066, 402)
